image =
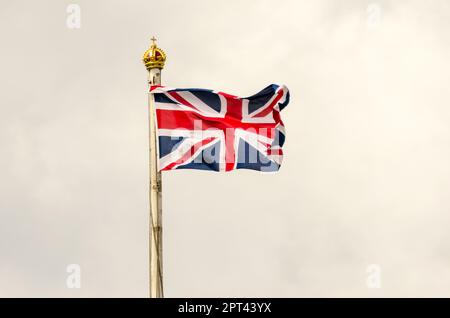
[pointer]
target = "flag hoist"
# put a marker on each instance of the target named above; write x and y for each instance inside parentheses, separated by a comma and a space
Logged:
(154, 59)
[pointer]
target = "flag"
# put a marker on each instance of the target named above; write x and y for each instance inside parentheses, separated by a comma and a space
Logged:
(211, 130)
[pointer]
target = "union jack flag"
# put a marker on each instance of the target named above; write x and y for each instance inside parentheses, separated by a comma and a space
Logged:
(212, 130)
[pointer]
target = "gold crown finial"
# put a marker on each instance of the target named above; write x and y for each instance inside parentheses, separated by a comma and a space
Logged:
(154, 57)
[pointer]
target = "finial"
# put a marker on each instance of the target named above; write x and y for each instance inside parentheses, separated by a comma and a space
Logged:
(154, 57)
(153, 39)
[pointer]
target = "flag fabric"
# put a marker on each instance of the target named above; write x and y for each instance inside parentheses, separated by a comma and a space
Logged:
(211, 130)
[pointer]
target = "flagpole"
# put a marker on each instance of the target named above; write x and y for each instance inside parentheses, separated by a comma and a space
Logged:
(154, 59)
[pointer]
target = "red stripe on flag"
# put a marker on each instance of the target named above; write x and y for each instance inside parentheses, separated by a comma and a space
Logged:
(181, 100)
(275, 152)
(172, 119)
(153, 87)
(269, 108)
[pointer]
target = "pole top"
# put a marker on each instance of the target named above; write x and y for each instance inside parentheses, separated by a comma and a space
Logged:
(154, 57)
(153, 39)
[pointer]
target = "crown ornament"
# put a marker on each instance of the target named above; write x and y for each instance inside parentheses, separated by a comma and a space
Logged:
(154, 57)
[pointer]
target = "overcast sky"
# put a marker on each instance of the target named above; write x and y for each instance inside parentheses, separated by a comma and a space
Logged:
(363, 193)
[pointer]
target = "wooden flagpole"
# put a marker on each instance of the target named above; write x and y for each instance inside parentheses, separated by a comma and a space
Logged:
(154, 59)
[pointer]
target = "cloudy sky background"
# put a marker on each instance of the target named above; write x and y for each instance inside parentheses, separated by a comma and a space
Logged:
(365, 179)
